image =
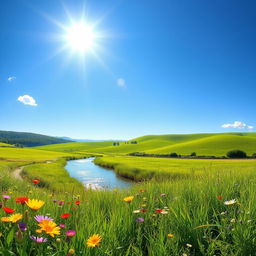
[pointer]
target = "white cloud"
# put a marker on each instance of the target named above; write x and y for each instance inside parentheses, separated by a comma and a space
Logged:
(27, 100)
(120, 82)
(238, 125)
(11, 78)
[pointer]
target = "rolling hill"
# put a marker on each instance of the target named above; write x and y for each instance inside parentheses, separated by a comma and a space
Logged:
(217, 144)
(26, 139)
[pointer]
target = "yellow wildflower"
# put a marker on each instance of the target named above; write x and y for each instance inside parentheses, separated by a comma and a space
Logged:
(170, 235)
(5, 219)
(49, 227)
(94, 240)
(128, 199)
(15, 217)
(34, 204)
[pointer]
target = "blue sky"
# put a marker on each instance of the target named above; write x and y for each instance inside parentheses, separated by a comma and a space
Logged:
(162, 67)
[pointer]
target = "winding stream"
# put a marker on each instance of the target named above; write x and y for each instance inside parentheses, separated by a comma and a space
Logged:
(94, 176)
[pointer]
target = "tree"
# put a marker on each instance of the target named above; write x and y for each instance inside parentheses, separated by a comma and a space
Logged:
(173, 154)
(193, 154)
(236, 154)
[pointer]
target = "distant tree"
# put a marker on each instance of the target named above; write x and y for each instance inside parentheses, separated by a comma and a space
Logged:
(193, 154)
(254, 155)
(173, 154)
(134, 142)
(236, 154)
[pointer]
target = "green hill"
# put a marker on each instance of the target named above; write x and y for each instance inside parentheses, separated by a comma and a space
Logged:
(27, 139)
(203, 144)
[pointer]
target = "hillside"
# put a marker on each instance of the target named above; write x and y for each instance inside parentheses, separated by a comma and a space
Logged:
(202, 144)
(26, 139)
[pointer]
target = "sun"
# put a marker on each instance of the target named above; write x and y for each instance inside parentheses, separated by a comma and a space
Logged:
(80, 37)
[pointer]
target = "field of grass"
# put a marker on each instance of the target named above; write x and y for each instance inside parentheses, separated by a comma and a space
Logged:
(183, 209)
(5, 145)
(179, 217)
(144, 168)
(202, 144)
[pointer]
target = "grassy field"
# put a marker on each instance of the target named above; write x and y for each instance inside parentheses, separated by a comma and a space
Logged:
(187, 207)
(144, 168)
(202, 144)
(181, 217)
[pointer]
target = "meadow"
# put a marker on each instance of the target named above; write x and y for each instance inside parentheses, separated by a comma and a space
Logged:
(176, 207)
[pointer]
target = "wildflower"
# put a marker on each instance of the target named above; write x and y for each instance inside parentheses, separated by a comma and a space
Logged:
(35, 181)
(230, 202)
(6, 197)
(94, 240)
(34, 204)
(49, 227)
(232, 220)
(153, 215)
(140, 219)
(40, 218)
(65, 215)
(62, 226)
(144, 199)
(58, 240)
(61, 202)
(136, 211)
(70, 233)
(15, 217)
(219, 197)
(143, 210)
(223, 213)
(71, 251)
(189, 245)
(164, 212)
(163, 194)
(142, 190)
(5, 219)
(77, 202)
(158, 210)
(21, 200)
(143, 205)
(8, 210)
(170, 235)
(22, 226)
(38, 239)
(128, 199)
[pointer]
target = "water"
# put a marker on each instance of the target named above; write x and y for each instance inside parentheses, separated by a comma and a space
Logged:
(94, 176)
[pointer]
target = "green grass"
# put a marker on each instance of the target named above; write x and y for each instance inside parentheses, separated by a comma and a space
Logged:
(144, 168)
(202, 144)
(190, 202)
(5, 145)
(52, 176)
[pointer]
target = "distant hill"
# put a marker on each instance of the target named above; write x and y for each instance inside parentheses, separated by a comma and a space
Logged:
(26, 139)
(208, 144)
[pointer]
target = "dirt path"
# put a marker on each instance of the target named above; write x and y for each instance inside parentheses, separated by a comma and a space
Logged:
(17, 172)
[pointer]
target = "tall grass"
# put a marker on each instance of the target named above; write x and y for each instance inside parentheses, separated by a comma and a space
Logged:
(190, 203)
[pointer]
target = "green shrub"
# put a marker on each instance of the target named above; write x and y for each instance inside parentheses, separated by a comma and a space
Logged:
(236, 154)
(193, 154)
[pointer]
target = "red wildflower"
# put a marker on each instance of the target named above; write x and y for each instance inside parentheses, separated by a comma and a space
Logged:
(219, 197)
(77, 202)
(9, 210)
(65, 215)
(143, 210)
(69, 203)
(74, 208)
(158, 210)
(36, 181)
(142, 190)
(21, 200)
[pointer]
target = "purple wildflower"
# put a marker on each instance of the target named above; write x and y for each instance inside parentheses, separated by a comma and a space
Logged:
(61, 203)
(140, 219)
(38, 239)
(40, 218)
(62, 225)
(6, 197)
(70, 233)
(22, 226)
